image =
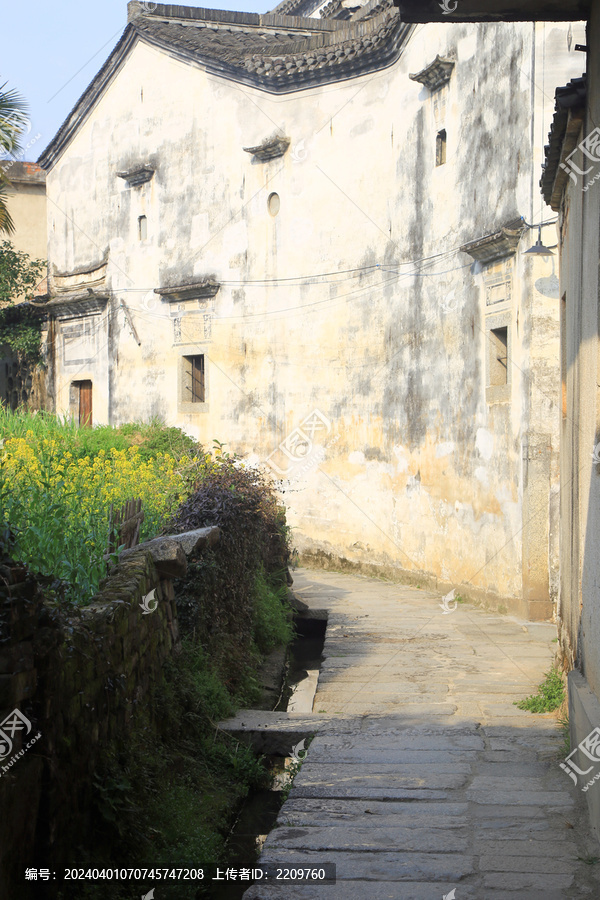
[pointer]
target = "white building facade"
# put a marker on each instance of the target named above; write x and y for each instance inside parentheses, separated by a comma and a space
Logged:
(305, 236)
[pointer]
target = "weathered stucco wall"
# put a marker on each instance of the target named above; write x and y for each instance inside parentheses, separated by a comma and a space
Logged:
(354, 299)
(26, 202)
(585, 362)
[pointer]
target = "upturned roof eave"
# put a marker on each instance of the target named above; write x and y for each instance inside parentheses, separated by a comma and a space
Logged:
(570, 105)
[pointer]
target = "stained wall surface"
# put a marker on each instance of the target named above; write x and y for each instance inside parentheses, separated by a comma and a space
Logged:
(351, 346)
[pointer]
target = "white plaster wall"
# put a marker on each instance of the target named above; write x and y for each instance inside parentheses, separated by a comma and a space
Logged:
(353, 300)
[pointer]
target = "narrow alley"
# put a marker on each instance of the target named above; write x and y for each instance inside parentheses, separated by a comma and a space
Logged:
(423, 777)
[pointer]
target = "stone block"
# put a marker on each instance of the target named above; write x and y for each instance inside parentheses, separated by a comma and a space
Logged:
(529, 881)
(169, 558)
(364, 836)
(196, 540)
(373, 890)
(397, 866)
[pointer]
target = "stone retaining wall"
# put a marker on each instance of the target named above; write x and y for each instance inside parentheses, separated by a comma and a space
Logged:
(81, 679)
(20, 777)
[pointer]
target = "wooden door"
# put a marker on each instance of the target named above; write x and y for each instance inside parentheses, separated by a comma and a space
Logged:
(85, 402)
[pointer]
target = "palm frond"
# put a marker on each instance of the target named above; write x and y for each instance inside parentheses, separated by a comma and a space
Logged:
(14, 120)
(7, 226)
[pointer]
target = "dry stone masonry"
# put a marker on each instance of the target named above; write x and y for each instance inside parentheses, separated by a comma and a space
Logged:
(82, 679)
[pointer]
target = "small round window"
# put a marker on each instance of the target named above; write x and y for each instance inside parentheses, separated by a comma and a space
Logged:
(273, 204)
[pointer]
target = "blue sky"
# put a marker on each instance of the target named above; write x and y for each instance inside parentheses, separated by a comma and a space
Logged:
(51, 53)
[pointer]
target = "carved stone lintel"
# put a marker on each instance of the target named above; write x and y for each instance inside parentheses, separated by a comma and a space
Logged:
(197, 290)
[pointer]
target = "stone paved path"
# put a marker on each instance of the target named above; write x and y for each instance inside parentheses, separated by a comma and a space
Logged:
(424, 777)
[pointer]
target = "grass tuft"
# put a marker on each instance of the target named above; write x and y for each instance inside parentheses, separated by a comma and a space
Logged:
(550, 695)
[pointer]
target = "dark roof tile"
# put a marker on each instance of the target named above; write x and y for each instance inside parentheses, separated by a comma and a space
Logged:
(273, 52)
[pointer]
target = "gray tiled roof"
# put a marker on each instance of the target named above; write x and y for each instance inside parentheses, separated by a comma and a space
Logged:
(565, 131)
(296, 7)
(222, 43)
(275, 53)
(308, 51)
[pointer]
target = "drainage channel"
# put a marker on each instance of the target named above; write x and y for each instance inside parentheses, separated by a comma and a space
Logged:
(304, 662)
(261, 808)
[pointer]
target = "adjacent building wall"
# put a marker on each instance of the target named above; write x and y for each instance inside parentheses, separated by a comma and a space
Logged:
(576, 196)
(586, 394)
(579, 617)
(26, 202)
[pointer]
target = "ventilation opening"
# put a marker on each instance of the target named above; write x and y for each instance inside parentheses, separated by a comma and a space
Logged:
(440, 148)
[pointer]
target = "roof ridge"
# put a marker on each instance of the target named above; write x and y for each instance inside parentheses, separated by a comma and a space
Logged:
(138, 11)
(298, 7)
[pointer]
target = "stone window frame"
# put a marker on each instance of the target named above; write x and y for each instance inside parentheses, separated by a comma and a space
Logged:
(187, 407)
(82, 328)
(498, 393)
(498, 284)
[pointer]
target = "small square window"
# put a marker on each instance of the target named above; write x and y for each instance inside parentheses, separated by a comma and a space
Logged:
(440, 148)
(193, 379)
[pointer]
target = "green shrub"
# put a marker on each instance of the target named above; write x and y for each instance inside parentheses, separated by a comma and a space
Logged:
(193, 694)
(217, 599)
(272, 625)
